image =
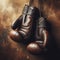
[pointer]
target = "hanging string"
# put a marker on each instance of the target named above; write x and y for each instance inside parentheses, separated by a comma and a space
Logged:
(30, 2)
(40, 2)
(41, 7)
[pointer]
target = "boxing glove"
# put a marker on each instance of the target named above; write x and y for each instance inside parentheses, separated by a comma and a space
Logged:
(28, 15)
(41, 38)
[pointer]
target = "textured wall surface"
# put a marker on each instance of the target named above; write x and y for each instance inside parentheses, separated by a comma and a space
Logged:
(10, 10)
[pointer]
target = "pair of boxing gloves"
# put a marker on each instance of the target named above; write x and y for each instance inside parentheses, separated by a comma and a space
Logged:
(30, 27)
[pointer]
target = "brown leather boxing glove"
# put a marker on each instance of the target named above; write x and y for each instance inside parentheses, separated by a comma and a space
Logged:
(28, 15)
(41, 38)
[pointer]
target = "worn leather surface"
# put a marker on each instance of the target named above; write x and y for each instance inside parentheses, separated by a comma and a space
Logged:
(11, 50)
